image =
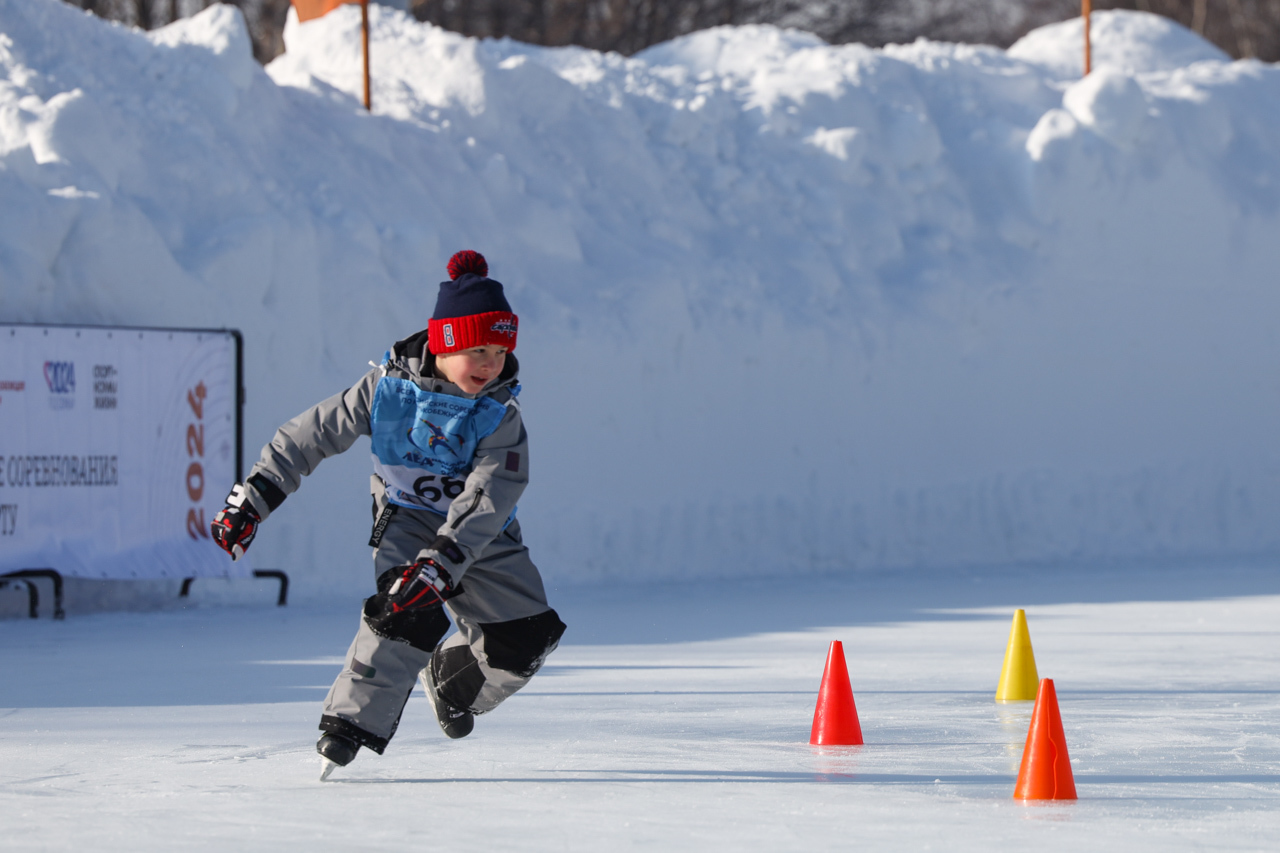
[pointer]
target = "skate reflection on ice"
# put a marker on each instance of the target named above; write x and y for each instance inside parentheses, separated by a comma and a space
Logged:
(835, 763)
(1015, 722)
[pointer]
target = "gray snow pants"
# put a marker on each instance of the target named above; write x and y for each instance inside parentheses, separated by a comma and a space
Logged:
(505, 631)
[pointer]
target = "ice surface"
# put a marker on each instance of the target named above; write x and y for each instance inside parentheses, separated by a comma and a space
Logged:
(674, 719)
(787, 306)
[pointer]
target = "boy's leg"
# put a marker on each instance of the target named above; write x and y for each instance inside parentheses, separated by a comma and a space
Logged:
(365, 702)
(470, 674)
(505, 629)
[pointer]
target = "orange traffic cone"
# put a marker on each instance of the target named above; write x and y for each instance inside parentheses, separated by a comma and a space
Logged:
(835, 720)
(1046, 768)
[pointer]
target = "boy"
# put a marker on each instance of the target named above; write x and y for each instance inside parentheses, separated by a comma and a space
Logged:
(450, 460)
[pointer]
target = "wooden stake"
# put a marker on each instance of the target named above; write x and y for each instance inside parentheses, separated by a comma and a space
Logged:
(364, 32)
(1086, 8)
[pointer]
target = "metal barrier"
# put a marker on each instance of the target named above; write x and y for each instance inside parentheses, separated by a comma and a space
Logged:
(26, 577)
(33, 597)
(281, 600)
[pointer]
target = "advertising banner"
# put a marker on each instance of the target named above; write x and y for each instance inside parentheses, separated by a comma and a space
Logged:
(117, 447)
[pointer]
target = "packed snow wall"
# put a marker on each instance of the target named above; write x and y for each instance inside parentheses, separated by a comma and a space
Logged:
(786, 307)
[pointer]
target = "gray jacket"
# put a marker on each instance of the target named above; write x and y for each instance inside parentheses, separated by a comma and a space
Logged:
(496, 473)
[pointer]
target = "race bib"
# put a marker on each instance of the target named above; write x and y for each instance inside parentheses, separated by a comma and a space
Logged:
(424, 443)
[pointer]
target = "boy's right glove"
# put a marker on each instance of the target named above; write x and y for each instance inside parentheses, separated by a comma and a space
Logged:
(408, 605)
(421, 585)
(236, 524)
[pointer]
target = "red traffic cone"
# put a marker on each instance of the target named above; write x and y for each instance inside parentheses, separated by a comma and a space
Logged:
(1046, 768)
(835, 720)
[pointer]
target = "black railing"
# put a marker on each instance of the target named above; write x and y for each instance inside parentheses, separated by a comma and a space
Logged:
(27, 578)
(281, 600)
(33, 597)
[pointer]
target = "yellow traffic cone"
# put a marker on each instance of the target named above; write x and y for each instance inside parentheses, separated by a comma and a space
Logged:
(1018, 679)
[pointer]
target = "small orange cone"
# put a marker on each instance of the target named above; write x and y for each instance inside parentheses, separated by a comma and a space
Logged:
(835, 720)
(1046, 768)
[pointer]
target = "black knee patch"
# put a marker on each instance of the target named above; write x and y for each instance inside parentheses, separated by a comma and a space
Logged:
(422, 629)
(386, 579)
(458, 676)
(521, 645)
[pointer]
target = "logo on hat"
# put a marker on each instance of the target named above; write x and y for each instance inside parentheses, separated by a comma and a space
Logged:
(504, 327)
(448, 334)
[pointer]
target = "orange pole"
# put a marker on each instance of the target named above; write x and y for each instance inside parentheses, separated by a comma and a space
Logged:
(364, 32)
(1086, 8)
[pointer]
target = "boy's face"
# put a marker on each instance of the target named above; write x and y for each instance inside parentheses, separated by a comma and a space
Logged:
(472, 369)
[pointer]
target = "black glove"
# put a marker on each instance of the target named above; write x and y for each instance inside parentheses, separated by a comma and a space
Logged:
(236, 524)
(421, 585)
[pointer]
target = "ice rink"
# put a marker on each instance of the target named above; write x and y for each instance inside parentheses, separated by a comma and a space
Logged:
(673, 718)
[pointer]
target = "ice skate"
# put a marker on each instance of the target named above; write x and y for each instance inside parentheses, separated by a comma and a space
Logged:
(335, 751)
(453, 722)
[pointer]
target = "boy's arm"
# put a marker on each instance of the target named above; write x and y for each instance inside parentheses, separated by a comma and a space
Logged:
(326, 429)
(476, 517)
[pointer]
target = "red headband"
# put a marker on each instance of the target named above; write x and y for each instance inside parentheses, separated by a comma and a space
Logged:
(492, 328)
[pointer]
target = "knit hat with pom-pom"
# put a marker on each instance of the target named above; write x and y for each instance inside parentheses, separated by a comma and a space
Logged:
(471, 310)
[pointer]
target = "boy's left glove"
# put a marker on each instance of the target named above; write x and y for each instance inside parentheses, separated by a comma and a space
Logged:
(421, 585)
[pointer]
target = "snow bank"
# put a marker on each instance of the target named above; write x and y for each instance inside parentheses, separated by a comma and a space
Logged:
(1134, 42)
(786, 307)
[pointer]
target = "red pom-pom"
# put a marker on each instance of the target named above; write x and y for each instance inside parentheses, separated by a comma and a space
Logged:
(468, 261)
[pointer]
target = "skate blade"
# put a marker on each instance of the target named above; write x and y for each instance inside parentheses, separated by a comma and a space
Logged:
(327, 767)
(426, 688)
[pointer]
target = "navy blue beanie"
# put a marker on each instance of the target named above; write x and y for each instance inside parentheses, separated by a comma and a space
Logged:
(469, 294)
(471, 309)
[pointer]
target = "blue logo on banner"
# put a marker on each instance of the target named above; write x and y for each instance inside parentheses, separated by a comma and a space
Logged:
(60, 376)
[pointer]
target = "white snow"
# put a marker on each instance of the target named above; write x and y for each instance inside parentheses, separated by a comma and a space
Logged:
(787, 307)
(1133, 42)
(674, 722)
